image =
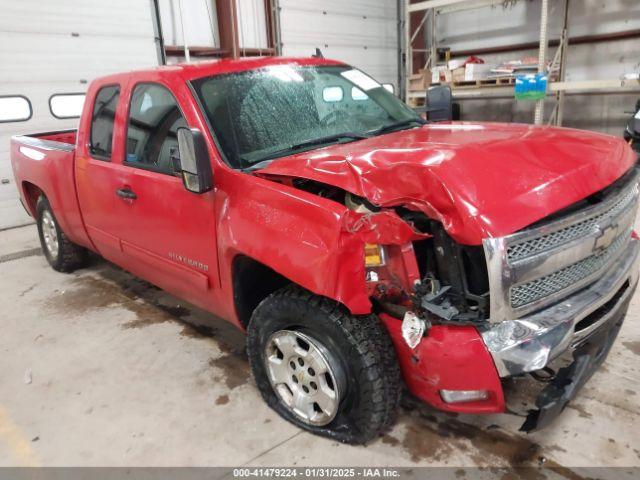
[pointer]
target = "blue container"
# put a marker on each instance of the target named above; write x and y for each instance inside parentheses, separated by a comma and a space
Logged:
(531, 86)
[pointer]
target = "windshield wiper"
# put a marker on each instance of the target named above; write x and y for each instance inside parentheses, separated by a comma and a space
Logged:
(328, 139)
(313, 142)
(396, 126)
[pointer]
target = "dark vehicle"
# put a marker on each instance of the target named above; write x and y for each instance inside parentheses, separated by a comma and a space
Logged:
(632, 131)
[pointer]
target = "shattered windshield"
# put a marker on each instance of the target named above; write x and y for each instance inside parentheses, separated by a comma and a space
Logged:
(276, 111)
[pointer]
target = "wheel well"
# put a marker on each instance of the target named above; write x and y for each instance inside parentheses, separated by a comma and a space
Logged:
(252, 283)
(31, 193)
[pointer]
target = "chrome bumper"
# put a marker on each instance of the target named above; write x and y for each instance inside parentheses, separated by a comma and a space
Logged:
(532, 341)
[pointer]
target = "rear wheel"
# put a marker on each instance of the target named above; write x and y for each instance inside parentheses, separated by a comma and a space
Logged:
(322, 369)
(62, 254)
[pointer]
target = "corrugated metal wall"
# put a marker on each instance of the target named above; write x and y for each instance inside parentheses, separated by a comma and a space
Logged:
(49, 47)
(197, 17)
(252, 23)
(489, 27)
(363, 33)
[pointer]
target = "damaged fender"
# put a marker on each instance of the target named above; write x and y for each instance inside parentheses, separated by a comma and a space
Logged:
(314, 242)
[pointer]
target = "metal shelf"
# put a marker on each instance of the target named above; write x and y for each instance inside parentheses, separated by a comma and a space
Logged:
(575, 87)
(433, 8)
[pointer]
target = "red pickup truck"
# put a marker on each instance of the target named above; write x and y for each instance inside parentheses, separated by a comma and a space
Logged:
(359, 246)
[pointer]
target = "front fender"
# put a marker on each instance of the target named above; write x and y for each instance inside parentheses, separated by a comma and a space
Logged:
(312, 241)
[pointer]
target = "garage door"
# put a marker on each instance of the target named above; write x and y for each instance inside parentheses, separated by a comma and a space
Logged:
(362, 33)
(57, 47)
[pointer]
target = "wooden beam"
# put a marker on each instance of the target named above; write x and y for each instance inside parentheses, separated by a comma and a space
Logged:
(228, 27)
(417, 42)
(257, 52)
(178, 51)
(271, 34)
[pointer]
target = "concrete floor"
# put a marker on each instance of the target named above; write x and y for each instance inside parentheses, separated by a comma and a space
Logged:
(97, 368)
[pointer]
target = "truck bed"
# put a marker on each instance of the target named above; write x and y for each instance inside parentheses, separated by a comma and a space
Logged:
(43, 164)
(58, 140)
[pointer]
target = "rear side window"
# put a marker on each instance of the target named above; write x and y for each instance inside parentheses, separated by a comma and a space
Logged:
(104, 112)
(154, 118)
(15, 108)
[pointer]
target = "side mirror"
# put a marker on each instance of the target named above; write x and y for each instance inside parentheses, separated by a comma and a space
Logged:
(194, 163)
(439, 103)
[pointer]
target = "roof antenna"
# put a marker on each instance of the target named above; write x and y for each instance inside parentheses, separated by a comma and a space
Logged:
(318, 54)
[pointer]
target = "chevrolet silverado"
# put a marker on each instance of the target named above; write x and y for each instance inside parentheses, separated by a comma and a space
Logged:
(361, 248)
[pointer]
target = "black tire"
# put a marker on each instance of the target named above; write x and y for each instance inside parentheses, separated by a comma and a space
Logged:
(69, 256)
(359, 345)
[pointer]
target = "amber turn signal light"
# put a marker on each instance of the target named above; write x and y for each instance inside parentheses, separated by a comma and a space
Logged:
(373, 255)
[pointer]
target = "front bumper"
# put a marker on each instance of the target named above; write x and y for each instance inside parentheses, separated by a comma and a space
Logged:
(449, 357)
(531, 342)
(452, 357)
(587, 357)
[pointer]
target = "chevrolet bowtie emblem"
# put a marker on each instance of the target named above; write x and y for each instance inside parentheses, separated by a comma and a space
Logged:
(606, 237)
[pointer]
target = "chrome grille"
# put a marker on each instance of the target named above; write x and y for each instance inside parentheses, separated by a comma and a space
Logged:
(543, 265)
(529, 292)
(543, 243)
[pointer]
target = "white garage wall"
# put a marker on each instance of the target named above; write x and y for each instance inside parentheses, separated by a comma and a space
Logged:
(252, 24)
(58, 46)
(359, 32)
(200, 23)
(198, 17)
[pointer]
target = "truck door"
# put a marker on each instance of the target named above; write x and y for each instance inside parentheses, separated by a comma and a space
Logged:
(167, 233)
(97, 171)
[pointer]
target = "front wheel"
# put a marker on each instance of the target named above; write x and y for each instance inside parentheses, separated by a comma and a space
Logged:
(322, 369)
(62, 254)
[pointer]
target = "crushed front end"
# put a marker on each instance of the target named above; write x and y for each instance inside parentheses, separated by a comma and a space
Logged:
(544, 303)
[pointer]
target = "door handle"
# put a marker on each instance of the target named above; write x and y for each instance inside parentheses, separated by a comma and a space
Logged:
(126, 193)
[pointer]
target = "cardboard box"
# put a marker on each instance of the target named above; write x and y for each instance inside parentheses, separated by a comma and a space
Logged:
(435, 74)
(476, 71)
(458, 75)
(456, 63)
(420, 81)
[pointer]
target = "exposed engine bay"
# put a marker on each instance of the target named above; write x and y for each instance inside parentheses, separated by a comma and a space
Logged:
(453, 286)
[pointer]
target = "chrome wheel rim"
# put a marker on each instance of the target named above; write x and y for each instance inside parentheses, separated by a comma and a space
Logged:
(304, 375)
(50, 234)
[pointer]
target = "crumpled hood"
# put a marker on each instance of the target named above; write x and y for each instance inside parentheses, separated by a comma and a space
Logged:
(479, 179)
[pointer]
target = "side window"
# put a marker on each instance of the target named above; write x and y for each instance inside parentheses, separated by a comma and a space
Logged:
(358, 95)
(154, 119)
(332, 94)
(364, 104)
(104, 112)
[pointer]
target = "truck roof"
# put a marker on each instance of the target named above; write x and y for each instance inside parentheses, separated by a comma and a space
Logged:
(190, 71)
